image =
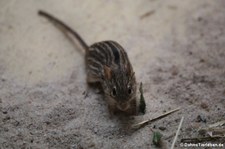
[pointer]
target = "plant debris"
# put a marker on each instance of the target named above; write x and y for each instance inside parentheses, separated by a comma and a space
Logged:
(214, 130)
(157, 141)
(142, 105)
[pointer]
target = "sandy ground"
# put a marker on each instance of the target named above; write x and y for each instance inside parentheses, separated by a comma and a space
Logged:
(177, 49)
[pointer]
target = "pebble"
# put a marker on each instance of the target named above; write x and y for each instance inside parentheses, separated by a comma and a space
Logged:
(4, 112)
(162, 128)
(95, 130)
(201, 119)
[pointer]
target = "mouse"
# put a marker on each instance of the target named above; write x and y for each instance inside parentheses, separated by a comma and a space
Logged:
(107, 63)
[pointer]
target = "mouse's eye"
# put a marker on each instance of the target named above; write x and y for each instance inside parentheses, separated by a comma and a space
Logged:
(129, 90)
(114, 92)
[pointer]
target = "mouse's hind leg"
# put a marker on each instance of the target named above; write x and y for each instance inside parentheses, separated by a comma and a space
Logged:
(94, 82)
(92, 78)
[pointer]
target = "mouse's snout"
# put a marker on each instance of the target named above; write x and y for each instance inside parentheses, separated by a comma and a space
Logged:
(123, 106)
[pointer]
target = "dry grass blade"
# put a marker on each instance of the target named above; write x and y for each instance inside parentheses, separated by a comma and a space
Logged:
(214, 130)
(138, 125)
(217, 132)
(177, 133)
(220, 123)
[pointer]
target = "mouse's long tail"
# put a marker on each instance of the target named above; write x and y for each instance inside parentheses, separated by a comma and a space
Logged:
(66, 27)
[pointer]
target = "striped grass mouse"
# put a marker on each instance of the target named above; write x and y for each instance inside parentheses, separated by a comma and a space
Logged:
(107, 63)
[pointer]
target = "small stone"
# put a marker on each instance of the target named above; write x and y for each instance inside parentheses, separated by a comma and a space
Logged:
(74, 146)
(200, 19)
(201, 119)
(4, 112)
(95, 130)
(204, 106)
(177, 120)
(174, 71)
(201, 60)
(47, 122)
(16, 123)
(84, 93)
(6, 118)
(6, 129)
(162, 128)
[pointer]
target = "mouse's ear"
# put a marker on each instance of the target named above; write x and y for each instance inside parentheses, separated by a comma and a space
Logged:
(107, 72)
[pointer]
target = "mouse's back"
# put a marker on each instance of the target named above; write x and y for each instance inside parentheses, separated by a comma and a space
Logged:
(106, 54)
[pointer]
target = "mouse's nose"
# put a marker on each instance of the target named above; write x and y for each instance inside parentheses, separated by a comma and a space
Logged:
(123, 106)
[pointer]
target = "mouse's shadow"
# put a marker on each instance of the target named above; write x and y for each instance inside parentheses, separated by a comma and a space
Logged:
(123, 121)
(124, 124)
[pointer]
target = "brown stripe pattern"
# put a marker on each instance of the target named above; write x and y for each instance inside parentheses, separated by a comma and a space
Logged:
(108, 53)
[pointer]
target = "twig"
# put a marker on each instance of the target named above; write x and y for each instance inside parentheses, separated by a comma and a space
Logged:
(202, 139)
(177, 133)
(147, 14)
(138, 125)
